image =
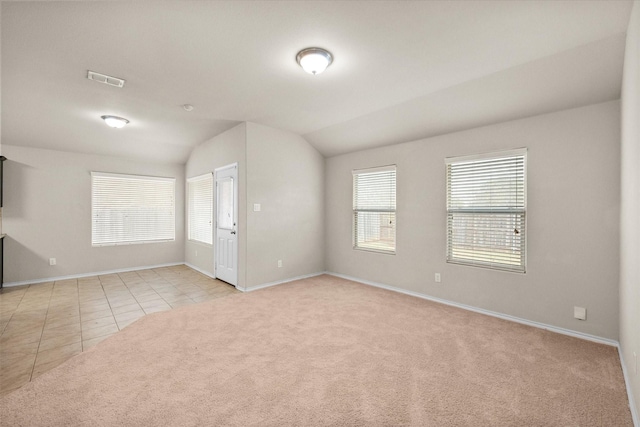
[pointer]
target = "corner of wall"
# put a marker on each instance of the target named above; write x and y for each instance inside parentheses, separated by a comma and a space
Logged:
(285, 175)
(46, 213)
(221, 150)
(629, 289)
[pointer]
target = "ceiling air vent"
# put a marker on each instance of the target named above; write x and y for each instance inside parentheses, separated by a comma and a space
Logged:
(103, 78)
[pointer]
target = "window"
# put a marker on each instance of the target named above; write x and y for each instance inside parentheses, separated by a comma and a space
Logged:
(200, 195)
(486, 210)
(129, 209)
(374, 209)
(225, 203)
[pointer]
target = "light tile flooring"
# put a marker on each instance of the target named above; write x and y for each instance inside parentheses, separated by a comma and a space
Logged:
(42, 325)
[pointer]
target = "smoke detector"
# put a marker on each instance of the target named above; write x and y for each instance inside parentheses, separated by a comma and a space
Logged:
(103, 78)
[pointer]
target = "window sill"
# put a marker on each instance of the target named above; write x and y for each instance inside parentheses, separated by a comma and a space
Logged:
(378, 251)
(487, 267)
(99, 245)
(199, 243)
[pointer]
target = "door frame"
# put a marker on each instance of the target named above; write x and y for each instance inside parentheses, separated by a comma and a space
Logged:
(235, 218)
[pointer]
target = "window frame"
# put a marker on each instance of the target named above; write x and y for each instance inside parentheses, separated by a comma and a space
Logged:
(172, 231)
(190, 181)
(356, 210)
(492, 156)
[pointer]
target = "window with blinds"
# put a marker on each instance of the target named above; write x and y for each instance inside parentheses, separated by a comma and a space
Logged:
(127, 209)
(486, 210)
(374, 209)
(200, 205)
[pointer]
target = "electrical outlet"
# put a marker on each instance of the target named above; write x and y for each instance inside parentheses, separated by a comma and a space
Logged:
(279, 263)
(52, 261)
(438, 278)
(256, 207)
(196, 253)
(580, 313)
(635, 363)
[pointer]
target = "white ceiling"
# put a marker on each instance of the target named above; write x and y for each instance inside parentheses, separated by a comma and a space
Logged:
(402, 70)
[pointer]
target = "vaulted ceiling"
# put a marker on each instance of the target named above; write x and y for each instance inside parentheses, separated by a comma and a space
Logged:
(403, 70)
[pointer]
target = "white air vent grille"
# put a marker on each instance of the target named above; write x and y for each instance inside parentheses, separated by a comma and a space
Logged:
(103, 78)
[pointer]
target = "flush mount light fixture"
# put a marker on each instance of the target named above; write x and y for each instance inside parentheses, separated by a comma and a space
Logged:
(114, 121)
(314, 60)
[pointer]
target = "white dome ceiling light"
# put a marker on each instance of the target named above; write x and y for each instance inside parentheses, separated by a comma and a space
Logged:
(114, 121)
(314, 60)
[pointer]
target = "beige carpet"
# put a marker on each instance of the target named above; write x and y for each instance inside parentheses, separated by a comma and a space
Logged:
(326, 351)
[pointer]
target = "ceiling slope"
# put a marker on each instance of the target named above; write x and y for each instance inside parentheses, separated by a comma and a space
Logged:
(402, 70)
(581, 76)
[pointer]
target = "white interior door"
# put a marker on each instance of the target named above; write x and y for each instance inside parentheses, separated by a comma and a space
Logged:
(226, 224)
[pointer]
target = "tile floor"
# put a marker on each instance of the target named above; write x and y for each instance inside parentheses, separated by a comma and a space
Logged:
(44, 324)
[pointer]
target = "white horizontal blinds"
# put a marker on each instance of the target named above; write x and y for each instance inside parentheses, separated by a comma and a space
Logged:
(131, 209)
(200, 194)
(374, 209)
(486, 211)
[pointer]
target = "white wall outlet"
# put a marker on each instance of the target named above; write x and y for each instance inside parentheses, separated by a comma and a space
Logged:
(196, 253)
(279, 263)
(438, 278)
(256, 207)
(52, 261)
(580, 313)
(635, 363)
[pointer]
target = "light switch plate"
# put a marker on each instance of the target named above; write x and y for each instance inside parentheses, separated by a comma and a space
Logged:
(256, 207)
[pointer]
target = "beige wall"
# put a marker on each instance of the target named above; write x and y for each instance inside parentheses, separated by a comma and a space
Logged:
(47, 214)
(573, 218)
(227, 148)
(285, 175)
(630, 206)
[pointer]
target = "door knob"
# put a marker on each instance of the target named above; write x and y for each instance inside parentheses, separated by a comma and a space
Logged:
(233, 232)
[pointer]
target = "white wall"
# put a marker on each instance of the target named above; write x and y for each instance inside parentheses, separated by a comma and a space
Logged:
(47, 214)
(285, 175)
(573, 219)
(227, 148)
(630, 205)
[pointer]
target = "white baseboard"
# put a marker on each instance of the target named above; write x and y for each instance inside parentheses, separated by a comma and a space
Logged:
(632, 402)
(563, 331)
(279, 282)
(199, 270)
(254, 288)
(96, 273)
(557, 329)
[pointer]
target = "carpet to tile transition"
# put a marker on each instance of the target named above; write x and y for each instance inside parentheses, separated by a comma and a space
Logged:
(327, 351)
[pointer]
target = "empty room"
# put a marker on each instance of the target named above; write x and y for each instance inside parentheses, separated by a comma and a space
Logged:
(320, 213)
